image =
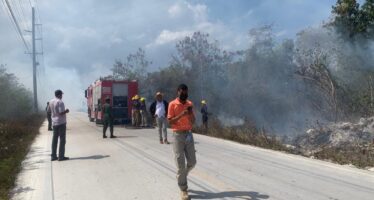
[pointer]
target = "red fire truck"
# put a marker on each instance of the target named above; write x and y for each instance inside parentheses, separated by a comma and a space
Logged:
(120, 93)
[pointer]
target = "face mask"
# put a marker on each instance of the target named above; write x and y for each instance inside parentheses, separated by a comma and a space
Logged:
(183, 96)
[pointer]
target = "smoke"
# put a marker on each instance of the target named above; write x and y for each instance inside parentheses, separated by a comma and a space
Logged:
(230, 120)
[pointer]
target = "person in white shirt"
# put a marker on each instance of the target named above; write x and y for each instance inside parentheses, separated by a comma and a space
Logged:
(159, 110)
(58, 112)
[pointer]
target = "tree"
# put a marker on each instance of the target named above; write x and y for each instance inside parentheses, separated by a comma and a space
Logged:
(206, 63)
(350, 20)
(135, 67)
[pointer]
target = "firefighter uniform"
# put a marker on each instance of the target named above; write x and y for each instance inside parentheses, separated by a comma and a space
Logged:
(143, 112)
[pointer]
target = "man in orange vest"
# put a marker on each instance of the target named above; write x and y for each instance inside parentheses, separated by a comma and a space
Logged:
(181, 118)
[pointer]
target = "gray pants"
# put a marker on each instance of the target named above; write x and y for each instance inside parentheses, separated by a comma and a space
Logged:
(184, 149)
(59, 131)
(162, 125)
(144, 116)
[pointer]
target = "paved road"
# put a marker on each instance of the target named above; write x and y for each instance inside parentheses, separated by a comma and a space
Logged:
(136, 166)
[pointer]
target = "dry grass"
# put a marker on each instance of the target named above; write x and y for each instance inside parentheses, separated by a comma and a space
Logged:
(362, 156)
(16, 137)
(245, 134)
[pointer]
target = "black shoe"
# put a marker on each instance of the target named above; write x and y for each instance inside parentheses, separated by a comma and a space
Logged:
(113, 136)
(54, 158)
(64, 158)
(104, 136)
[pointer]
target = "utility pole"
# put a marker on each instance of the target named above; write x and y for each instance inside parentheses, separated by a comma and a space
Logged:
(34, 62)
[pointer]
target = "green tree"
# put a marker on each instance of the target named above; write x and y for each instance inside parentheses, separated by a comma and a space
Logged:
(352, 20)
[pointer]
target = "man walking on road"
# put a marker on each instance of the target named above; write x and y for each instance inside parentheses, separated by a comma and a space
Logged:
(108, 118)
(59, 126)
(181, 118)
(159, 110)
(49, 116)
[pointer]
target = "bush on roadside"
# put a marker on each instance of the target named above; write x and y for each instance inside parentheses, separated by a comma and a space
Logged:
(16, 137)
(247, 133)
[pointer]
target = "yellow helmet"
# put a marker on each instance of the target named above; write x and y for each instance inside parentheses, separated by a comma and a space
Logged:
(142, 99)
(203, 102)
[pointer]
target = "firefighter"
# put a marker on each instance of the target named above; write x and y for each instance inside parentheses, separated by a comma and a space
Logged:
(132, 112)
(143, 113)
(136, 111)
(49, 116)
(204, 114)
(181, 118)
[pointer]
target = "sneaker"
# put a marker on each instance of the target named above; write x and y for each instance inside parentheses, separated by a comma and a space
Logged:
(184, 195)
(161, 142)
(54, 158)
(113, 136)
(64, 158)
(104, 136)
(166, 142)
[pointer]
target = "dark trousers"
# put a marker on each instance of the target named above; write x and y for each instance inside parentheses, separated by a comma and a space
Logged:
(59, 131)
(49, 117)
(108, 122)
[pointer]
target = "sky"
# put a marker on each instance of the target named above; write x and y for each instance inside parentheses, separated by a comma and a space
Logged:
(82, 39)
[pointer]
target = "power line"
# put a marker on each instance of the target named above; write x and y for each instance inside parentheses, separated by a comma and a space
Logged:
(17, 25)
(11, 20)
(21, 5)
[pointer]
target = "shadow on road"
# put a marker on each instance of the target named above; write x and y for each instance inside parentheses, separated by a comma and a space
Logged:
(94, 157)
(19, 190)
(230, 194)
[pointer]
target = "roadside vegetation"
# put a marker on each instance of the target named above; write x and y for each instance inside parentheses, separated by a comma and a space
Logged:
(18, 127)
(245, 134)
(359, 156)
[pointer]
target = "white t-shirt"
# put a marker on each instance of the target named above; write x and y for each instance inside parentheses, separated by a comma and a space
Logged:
(160, 109)
(57, 106)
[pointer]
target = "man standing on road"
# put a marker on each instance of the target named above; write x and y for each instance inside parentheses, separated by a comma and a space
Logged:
(49, 116)
(108, 118)
(159, 109)
(59, 126)
(181, 118)
(204, 114)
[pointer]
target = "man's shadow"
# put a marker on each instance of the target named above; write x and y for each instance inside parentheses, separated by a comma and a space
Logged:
(94, 157)
(230, 194)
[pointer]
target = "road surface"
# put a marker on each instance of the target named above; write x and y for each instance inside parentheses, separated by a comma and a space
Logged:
(136, 166)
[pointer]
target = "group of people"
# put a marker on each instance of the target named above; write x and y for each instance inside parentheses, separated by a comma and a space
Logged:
(139, 114)
(178, 114)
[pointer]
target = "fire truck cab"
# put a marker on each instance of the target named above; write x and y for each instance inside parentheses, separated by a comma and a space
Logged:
(118, 91)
